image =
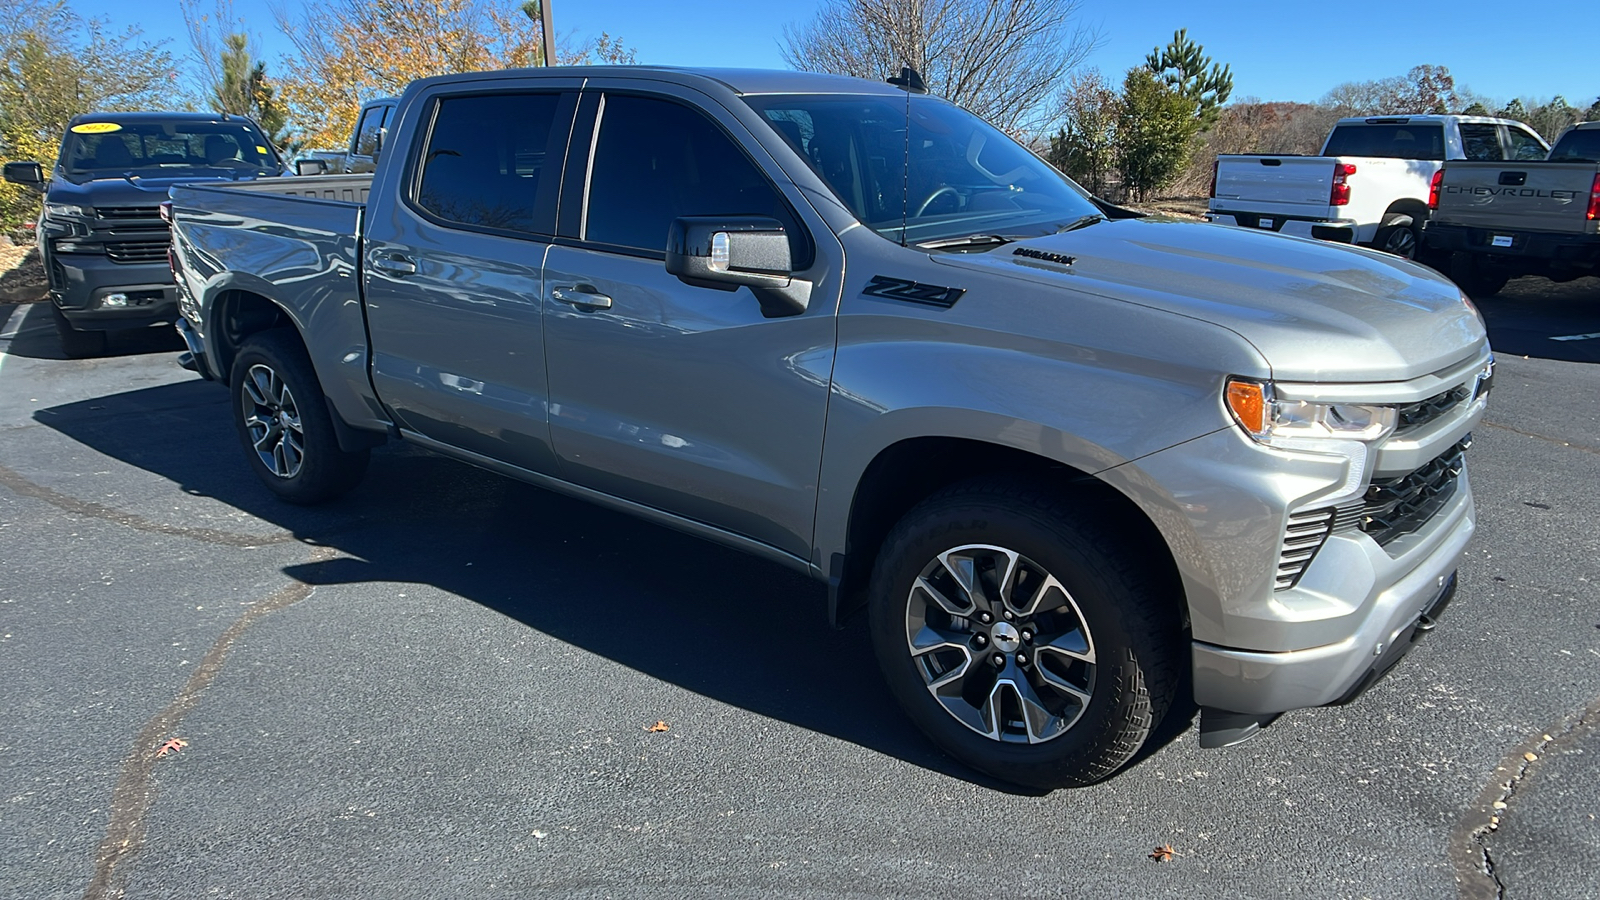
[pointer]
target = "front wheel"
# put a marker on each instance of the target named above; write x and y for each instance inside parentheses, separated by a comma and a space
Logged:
(1024, 643)
(284, 422)
(77, 344)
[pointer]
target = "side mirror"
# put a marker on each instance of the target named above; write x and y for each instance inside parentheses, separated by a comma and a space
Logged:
(310, 167)
(29, 173)
(729, 252)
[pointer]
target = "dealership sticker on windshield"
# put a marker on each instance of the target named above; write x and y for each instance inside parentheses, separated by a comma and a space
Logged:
(96, 128)
(261, 150)
(1502, 240)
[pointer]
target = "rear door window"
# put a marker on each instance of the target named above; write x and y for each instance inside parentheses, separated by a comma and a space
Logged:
(1523, 145)
(368, 131)
(489, 162)
(1578, 146)
(655, 160)
(1421, 140)
(1481, 142)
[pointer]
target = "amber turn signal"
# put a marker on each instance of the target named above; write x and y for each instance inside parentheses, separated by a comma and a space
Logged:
(1247, 400)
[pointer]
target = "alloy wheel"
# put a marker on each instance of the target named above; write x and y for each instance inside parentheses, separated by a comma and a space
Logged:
(273, 420)
(1000, 644)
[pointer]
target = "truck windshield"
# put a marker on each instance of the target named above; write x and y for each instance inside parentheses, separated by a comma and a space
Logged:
(156, 149)
(965, 176)
(1578, 146)
(1419, 141)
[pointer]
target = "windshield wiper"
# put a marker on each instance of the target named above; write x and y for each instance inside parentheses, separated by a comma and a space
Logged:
(970, 240)
(1079, 222)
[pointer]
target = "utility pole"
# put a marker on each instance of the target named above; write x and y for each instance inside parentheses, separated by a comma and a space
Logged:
(549, 30)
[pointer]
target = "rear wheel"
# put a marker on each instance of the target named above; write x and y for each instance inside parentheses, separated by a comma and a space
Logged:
(1403, 239)
(284, 422)
(1025, 644)
(74, 343)
(1477, 277)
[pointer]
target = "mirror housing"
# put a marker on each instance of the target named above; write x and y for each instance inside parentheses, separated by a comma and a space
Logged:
(27, 173)
(310, 167)
(729, 252)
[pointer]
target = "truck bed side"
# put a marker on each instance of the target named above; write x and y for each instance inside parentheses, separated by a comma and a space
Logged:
(288, 246)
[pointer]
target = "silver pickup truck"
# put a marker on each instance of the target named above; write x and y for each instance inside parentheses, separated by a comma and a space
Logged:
(1085, 471)
(1502, 219)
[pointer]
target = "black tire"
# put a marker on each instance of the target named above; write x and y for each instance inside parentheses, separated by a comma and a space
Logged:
(274, 390)
(74, 343)
(1477, 277)
(1403, 240)
(1128, 609)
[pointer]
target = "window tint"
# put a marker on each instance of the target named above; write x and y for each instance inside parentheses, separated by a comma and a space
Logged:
(1481, 142)
(656, 160)
(1418, 141)
(485, 164)
(368, 132)
(1524, 146)
(1578, 146)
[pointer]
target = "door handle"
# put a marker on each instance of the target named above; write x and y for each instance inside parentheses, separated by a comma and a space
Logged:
(394, 264)
(583, 296)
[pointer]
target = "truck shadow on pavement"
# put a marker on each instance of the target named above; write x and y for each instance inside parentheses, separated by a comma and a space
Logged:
(1530, 315)
(713, 621)
(36, 336)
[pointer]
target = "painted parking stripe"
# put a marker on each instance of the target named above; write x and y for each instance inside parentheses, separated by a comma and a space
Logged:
(1578, 337)
(9, 330)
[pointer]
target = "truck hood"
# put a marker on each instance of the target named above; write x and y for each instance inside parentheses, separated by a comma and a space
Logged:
(1316, 311)
(120, 191)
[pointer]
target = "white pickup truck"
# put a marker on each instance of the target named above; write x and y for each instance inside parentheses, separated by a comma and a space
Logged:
(1371, 184)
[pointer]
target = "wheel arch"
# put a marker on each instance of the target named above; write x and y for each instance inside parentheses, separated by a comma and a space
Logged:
(908, 471)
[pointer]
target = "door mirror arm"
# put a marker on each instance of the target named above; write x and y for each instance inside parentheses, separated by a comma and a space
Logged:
(729, 252)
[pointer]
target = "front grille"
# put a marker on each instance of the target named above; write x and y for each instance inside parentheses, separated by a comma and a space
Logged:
(1395, 507)
(1416, 415)
(137, 251)
(128, 212)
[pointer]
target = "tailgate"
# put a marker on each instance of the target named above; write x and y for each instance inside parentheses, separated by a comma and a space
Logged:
(1292, 185)
(1517, 196)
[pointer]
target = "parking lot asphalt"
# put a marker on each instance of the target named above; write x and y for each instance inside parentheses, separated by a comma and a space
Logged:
(444, 685)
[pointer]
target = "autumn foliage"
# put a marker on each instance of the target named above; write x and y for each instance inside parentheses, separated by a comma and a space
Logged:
(350, 51)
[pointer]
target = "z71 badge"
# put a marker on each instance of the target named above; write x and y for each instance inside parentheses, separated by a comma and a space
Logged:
(901, 289)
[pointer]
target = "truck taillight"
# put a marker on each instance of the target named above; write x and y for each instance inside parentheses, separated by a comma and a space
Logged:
(1340, 195)
(1433, 189)
(1214, 165)
(1594, 199)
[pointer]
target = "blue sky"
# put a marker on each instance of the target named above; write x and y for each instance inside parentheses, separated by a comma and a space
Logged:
(1281, 50)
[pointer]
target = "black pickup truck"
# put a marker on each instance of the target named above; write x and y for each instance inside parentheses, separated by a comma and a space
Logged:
(101, 237)
(1502, 219)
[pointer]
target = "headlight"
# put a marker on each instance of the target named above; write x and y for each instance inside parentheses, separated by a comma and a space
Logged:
(1301, 424)
(67, 209)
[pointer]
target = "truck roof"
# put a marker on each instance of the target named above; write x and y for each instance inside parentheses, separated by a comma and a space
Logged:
(130, 118)
(1429, 118)
(740, 81)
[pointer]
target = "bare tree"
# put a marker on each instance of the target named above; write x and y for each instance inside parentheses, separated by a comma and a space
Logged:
(1002, 59)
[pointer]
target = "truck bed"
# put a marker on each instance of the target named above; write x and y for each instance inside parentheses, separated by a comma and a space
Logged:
(344, 188)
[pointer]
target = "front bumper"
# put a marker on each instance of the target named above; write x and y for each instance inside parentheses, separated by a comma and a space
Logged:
(85, 288)
(1265, 683)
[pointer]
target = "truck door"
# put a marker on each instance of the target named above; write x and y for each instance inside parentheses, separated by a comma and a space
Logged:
(453, 269)
(686, 399)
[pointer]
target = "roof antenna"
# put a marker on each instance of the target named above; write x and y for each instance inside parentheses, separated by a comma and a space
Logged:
(910, 82)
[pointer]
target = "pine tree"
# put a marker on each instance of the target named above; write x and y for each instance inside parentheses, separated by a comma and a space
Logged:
(1183, 66)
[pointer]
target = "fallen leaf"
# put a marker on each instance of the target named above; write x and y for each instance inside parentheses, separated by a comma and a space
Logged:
(173, 745)
(1163, 853)
(657, 727)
